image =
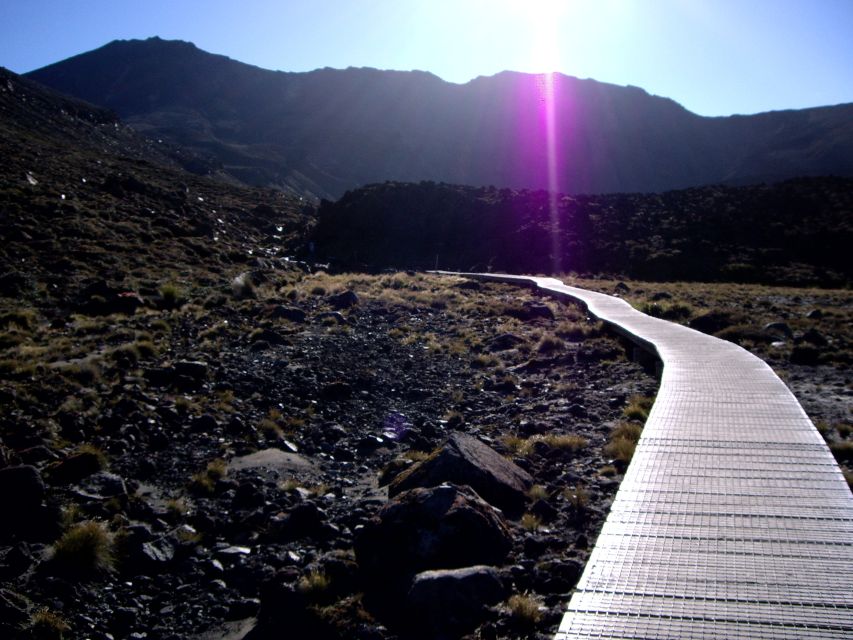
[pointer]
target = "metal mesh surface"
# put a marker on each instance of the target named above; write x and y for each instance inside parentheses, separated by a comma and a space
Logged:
(733, 519)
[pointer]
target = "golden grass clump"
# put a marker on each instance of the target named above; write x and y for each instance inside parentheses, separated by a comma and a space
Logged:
(85, 548)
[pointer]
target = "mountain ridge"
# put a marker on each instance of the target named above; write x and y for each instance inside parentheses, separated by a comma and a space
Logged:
(326, 131)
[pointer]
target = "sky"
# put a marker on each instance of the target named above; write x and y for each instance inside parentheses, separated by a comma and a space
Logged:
(715, 57)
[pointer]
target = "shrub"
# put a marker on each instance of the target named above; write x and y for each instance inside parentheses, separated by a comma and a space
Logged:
(314, 585)
(843, 451)
(205, 481)
(171, 296)
(530, 522)
(84, 549)
(577, 497)
(22, 318)
(549, 344)
(46, 625)
(638, 408)
(524, 609)
(577, 331)
(620, 449)
(627, 431)
(537, 492)
(483, 361)
(569, 441)
(125, 355)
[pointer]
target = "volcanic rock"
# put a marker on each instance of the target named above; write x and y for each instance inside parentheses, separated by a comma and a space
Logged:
(438, 528)
(465, 460)
(343, 300)
(449, 602)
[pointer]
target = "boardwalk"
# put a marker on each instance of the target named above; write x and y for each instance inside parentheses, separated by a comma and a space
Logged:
(733, 520)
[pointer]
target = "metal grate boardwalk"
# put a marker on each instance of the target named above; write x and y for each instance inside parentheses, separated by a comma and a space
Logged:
(733, 519)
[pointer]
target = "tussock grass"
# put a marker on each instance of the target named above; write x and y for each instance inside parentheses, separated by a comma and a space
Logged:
(84, 549)
(47, 625)
(205, 481)
(530, 522)
(623, 441)
(314, 585)
(524, 609)
(638, 408)
(526, 446)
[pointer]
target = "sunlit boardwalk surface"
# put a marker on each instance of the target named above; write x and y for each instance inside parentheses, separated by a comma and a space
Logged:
(733, 519)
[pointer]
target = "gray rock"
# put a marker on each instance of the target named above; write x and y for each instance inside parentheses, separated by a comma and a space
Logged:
(779, 328)
(158, 552)
(102, 486)
(465, 460)
(449, 602)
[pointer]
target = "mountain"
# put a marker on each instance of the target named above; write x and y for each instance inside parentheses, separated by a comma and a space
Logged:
(329, 130)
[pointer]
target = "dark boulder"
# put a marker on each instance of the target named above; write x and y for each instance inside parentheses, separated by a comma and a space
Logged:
(443, 527)
(531, 311)
(193, 369)
(464, 460)
(22, 492)
(713, 321)
(294, 314)
(450, 602)
(343, 300)
(21, 489)
(75, 468)
(503, 342)
(557, 576)
(813, 336)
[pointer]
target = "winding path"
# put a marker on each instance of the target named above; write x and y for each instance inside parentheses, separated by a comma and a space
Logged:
(733, 519)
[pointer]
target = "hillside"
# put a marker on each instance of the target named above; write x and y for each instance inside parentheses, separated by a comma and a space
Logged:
(796, 232)
(327, 131)
(88, 202)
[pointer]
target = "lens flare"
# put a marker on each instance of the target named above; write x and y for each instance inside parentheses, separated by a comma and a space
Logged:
(548, 100)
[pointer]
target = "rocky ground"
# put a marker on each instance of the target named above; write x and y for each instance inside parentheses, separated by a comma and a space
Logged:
(224, 460)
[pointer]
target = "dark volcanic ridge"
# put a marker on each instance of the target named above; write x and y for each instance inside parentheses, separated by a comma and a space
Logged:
(323, 132)
(796, 232)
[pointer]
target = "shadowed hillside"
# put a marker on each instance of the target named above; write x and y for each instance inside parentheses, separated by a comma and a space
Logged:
(86, 200)
(798, 231)
(323, 132)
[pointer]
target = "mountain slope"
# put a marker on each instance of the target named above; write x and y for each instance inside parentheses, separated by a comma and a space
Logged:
(326, 131)
(86, 199)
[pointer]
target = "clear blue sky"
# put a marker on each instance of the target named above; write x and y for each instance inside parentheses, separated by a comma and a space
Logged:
(716, 57)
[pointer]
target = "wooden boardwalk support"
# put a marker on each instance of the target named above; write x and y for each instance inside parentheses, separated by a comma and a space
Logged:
(733, 519)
